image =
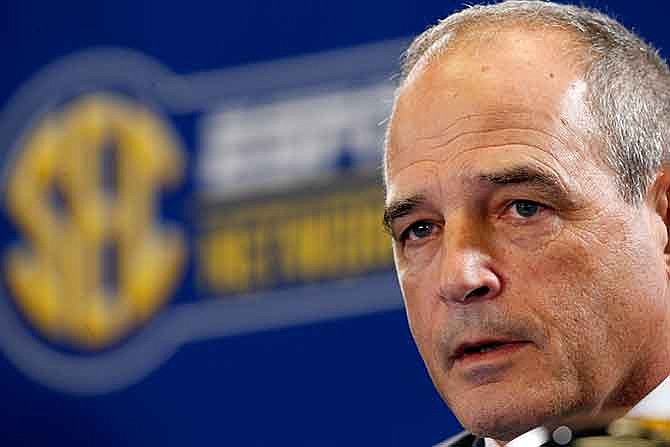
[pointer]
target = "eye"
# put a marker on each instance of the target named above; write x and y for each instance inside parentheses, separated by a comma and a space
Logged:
(525, 208)
(419, 230)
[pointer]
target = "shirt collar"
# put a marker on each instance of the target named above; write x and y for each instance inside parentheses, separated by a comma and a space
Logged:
(655, 405)
(532, 438)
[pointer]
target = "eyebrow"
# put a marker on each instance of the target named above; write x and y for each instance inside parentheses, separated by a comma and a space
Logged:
(515, 175)
(399, 208)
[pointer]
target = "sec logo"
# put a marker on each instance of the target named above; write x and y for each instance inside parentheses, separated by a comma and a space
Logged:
(93, 263)
(89, 261)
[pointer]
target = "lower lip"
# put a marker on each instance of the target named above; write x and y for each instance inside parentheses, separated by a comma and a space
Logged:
(498, 354)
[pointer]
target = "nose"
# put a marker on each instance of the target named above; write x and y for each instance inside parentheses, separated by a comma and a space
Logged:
(466, 270)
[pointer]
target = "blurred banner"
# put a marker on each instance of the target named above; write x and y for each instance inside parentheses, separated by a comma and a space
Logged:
(108, 208)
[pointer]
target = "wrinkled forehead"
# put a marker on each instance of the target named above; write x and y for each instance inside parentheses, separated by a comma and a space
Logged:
(512, 79)
(500, 35)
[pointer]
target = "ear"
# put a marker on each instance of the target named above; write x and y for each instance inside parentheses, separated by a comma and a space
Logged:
(658, 201)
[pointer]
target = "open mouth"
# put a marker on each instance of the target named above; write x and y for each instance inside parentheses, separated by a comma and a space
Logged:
(480, 348)
(484, 348)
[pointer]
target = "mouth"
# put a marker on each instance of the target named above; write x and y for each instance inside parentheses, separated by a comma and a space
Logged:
(486, 349)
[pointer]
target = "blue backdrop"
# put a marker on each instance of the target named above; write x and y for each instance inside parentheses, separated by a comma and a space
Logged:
(351, 380)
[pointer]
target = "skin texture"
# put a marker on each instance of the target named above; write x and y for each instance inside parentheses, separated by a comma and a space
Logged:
(478, 136)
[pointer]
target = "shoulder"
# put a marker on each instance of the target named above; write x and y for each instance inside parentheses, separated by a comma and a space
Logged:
(463, 439)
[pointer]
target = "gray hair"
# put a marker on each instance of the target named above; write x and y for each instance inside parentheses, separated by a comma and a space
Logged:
(628, 82)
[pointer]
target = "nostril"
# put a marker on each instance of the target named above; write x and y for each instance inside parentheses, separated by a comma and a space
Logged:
(478, 292)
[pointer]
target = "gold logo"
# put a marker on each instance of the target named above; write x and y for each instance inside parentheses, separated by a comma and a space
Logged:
(77, 229)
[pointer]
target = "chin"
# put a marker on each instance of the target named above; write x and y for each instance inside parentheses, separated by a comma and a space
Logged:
(503, 424)
(499, 425)
(503, 413)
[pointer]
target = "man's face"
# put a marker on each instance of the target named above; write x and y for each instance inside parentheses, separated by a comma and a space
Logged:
(532, 290)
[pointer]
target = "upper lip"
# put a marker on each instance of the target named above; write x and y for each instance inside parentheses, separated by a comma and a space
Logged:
(476, 343)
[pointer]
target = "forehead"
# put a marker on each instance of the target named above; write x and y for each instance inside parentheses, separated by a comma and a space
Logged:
(517, 89)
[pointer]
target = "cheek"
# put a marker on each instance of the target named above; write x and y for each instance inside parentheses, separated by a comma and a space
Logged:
(593, 286)
(416, 297)
(422, 306)
(568, 276)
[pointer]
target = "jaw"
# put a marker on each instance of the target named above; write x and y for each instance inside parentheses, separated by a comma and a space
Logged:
(509, 407)
(521, 397)
(494, 413)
